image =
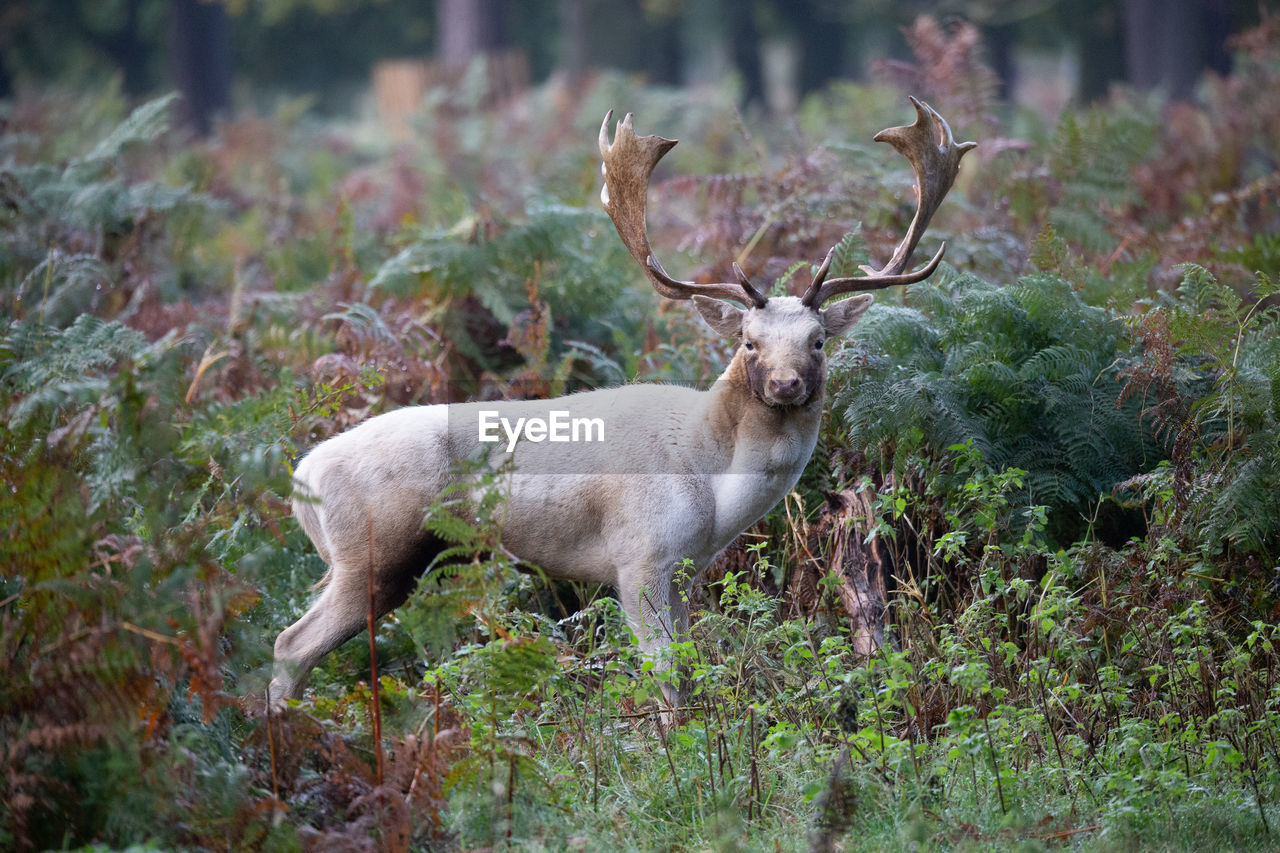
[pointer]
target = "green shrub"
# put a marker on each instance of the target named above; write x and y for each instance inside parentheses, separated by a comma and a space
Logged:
(1027, 375)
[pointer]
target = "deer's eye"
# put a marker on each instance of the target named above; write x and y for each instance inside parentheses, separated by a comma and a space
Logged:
(818, 343)
(748, 346)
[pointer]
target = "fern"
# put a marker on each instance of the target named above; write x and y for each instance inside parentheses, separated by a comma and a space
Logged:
(55, 371)
(365, 323)
(779, 287)
(1025, 376)
(580, 268)
(1261, 254)
(145, 124)
(850, 253)
(60, 285)
(1230, 350)
(1244, 500)
(68, 224)
(1092, 159)
(111, 606)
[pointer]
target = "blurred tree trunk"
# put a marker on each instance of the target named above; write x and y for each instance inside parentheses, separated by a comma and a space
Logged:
(704, 43)
(468, 28)
(1101, 48)
(1000, 41)
(1162, 47)
(200, 56)
(660, 56)
(1164, 44)
(1217, 23)
(128, 50)
(744, 52)
(6, 81)
(573, 37)
(823, 40)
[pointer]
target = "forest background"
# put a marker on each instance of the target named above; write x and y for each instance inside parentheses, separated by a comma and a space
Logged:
(1026, 593)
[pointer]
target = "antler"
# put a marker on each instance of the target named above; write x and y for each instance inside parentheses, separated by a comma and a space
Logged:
(628, 164)
(935, 158)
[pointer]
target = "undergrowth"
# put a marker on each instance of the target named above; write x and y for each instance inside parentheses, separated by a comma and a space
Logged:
(1058, 459)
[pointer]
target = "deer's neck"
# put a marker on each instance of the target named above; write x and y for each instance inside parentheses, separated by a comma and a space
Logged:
(756, 435)
(762, 450)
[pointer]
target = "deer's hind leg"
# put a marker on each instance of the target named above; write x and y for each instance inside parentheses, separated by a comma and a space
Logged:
(342, 611)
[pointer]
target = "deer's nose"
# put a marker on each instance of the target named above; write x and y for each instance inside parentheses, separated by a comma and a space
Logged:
(785, 387)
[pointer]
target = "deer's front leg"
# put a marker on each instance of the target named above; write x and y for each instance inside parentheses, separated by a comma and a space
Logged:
(658, 613)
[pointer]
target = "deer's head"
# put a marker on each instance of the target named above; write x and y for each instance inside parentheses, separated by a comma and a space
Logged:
(781, 339)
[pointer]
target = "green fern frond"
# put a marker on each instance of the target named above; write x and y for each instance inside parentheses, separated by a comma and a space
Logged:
(1092, 158)
(1059, 362)
(779, 287)
(1245, 504)
(51, 367)
(606, 366)
(1023, 375)
(850, 253)
(1201, 291)
(580, 269)
(365, 321)
(145, 124)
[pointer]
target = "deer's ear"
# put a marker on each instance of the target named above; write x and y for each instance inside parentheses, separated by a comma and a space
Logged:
(720, 315)
(839, 317)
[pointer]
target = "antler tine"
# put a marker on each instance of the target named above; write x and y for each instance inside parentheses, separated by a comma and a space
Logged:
(934, 154)
(627, 164)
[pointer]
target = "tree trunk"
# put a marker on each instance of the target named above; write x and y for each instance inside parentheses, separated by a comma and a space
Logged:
(823, 42)
(703, 43)
(1000, 41)
(744, 50)
(1101, 53)
(859, 563)
(1162, 45)
(573, 38)
(6, 81)
(128, 51)
(468, 28)
(200, 56)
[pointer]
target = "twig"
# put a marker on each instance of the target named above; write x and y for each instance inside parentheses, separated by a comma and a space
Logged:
(666, 748)
(1257, 799)
(149, 634)
(754, 786)
(595, 744)
(1053, 732)
(986, 723)
(1067, 833)
(511, 793)
(725, 756)
(271, 749)
(711, 769)
(633, 714)
(376, 708)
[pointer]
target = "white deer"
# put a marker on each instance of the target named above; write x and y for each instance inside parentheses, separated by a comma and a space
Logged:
(679, 474)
